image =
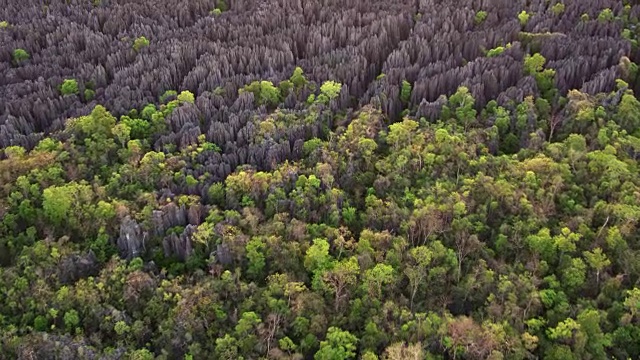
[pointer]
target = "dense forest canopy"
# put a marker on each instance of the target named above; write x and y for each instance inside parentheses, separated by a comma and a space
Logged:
(329, 180)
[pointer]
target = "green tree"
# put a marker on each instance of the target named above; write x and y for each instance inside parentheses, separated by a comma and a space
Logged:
(40, 323)
(98, 125)
(564, 330)
(69, 87)
(480, 17)
(418, 270)
(139, 128)
(595, 340)
(340, 278)
(339, 345)
(269, 94)
(375, 278)
(632, 301)
(227, 348)
(405, 92)
(317, 256)
(14, 152)
(186, 96)
(222, 5)
(369, 356)
(64, 204)
(629, 113)
(462, 103)
(255, 255)
(57, 202)
(71, 319)
(150, 109)
(216, 193)
(246, 330)
(285, 87)
(597, 260)
(123, 133)
(329, 90)
(264, 92)
(140, 43)
(574, 276)
(534, 63)
(401, 134)
(542, 244)
(20, 55)
(560, 352)
(121, 328)
(141, 354)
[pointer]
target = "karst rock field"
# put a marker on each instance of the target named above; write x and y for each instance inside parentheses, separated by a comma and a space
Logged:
(320, 179)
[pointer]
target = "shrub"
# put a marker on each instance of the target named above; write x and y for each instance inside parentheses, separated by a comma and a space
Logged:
(481, 16)
(215, 12)
(495, 51)
(14, 152)
(558, 8)
(310, 146)
(167, 95)
(140, 43)
(216, 193)
(148, 111)
(523, 17)
(605, 15)
(121, 328)
(20, 55)
(4, 24)
(534, 64)
(349, 215)
(285, 87)
(222, 5)
(311, 99)
(191, 181)
(71, 319)
(298, 79)
(136, 264)
(142, 354)
(628, 35)
(405, 91)
(219, 91)
(89, 94)
(584, 17)
(209, 146)
(40, 323)
(69, 86)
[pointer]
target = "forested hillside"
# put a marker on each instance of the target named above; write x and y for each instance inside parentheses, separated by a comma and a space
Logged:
(328, 180)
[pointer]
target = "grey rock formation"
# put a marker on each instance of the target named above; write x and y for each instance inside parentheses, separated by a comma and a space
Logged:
(131, 240)
(180, 246)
